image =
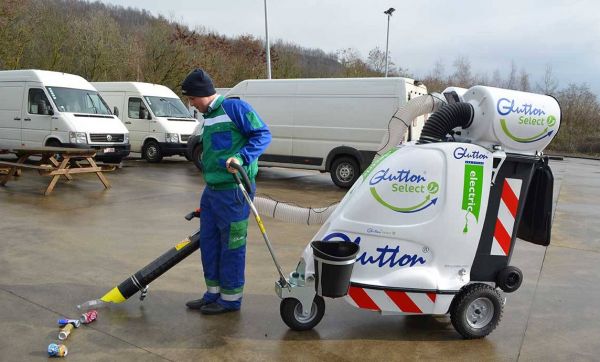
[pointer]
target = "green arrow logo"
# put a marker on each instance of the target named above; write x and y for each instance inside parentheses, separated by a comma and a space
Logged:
(520, 139)
(400, 209)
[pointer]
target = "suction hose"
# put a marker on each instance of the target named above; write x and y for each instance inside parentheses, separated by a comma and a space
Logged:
(402, 119)
(291, 213)
(446, 119)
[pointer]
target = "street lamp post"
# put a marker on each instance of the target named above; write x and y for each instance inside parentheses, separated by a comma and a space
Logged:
(388, 12)
(267, 44)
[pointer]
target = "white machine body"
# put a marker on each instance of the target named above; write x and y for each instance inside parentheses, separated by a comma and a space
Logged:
(419, 211)
(414, 231)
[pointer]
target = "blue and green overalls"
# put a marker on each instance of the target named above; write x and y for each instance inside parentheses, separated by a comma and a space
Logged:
(231, 129)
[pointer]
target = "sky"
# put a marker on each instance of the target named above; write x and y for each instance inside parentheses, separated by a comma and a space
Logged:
(491, 34)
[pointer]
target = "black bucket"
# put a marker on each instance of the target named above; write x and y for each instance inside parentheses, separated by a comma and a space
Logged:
(334, 261)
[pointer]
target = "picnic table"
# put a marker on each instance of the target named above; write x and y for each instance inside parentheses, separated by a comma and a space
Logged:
(55, 162)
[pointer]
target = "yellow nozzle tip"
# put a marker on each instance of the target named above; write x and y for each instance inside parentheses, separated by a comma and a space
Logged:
(114, 296)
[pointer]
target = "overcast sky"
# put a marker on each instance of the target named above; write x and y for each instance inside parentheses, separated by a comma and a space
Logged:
(532, 33)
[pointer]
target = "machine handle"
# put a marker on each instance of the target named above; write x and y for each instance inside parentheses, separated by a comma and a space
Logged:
(27, 119)
(240, 169)
(193, 214)
(16, 119)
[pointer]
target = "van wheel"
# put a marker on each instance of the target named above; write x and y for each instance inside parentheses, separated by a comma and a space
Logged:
(476, 311)
(197, 156)
(344, 171)
(53, 143)
(152, 152)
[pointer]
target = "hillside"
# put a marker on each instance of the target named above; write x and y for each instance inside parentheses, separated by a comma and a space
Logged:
(111, 43)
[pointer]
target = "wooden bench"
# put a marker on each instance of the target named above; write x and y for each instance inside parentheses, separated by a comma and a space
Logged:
(24, 165)
(50, 166)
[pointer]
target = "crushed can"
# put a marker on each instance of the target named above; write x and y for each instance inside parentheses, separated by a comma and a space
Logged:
(57, 350)
(65, 331)
(89, 317)
(63, 322)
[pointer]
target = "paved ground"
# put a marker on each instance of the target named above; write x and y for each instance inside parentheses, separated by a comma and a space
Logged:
(74, 245)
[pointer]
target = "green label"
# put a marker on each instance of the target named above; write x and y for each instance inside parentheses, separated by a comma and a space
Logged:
(473, 184)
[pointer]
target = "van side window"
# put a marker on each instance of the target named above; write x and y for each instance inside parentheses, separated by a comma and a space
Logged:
(136, 109)
(38, 102)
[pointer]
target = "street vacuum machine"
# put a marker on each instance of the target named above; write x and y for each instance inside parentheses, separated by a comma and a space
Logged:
(430, 226)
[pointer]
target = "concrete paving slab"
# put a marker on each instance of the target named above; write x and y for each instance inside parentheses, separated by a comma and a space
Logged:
(80, 241)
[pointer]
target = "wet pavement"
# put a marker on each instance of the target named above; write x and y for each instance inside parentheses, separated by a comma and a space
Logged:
(76, 244)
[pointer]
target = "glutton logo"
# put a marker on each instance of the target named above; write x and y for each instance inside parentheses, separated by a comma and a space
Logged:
(530, 117)
(404, 182)
(384, 256)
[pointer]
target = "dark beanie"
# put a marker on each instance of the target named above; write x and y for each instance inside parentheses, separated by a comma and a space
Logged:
(198, 84)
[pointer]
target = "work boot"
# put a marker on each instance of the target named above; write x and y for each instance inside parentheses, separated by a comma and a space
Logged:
(215, 308)
(197, 304)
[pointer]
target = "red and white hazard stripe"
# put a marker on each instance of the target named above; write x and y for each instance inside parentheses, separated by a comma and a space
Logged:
(393, 301)
(507, 211)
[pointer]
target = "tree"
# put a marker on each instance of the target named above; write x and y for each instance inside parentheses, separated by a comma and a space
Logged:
(524, 84)
(549, 84)
(15, 32)
(462, 76)
(511, 80)
(376, 60)
(354, 66)
(580, 131)
(436, 80)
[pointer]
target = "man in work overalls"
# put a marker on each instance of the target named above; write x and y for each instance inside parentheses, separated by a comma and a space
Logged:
(233, 132)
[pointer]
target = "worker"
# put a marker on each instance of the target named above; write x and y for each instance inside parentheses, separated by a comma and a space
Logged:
(233, 132)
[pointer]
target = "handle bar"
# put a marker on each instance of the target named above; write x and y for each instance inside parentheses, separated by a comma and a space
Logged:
(245, 179)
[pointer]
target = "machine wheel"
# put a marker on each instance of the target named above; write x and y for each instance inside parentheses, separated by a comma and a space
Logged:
(151, 152)
(509, 279)
(291, 313)
(197, 156)
(344, 171)
(476, 311)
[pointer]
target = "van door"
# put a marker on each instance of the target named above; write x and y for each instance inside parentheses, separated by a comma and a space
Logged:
(37, 121)
(11, 114)
(136, 120)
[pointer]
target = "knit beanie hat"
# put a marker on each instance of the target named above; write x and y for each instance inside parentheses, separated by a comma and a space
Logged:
(198, 84)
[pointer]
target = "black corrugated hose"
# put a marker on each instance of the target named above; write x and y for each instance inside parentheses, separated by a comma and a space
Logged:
(440, 123)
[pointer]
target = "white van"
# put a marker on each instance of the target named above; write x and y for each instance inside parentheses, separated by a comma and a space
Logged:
(41, 108)
(332, 125)
(159, 123)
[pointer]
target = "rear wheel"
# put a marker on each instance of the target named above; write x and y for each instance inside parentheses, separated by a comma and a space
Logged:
(291, 313)
(476, 311)
(116, 160)
(197, 156)
(344, 171)
(152, 152)
(509, 279)
(53, 143)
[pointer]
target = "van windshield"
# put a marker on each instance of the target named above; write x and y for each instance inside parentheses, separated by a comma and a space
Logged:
(168, 107)
(78, 100)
